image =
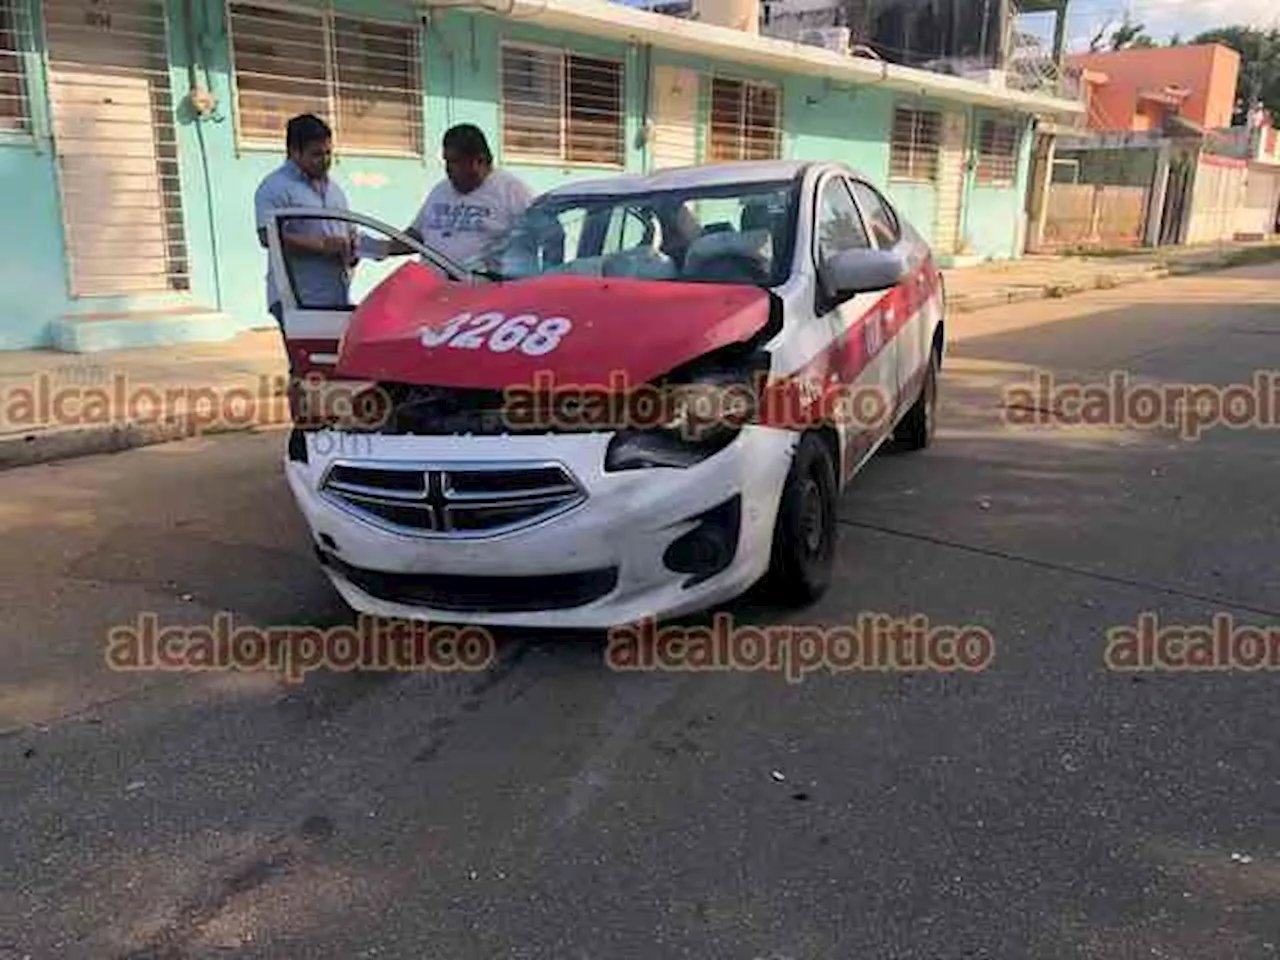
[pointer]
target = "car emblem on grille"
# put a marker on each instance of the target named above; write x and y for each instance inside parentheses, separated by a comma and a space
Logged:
(437, 502)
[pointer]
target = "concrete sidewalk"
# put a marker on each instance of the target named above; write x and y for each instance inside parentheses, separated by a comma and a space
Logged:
(59, 405)
(1043, 277)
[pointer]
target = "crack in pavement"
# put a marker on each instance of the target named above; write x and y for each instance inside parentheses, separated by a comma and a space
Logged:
(195, 915)
(1063, 568)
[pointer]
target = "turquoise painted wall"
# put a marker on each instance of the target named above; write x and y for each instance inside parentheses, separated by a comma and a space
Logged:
(460, 69)
(32, 268)
(829, 121)
(918, 203)
(32, 273)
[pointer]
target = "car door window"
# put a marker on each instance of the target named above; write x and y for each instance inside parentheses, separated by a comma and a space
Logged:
(880, 216)
(327, 282)
(372, 265)
(317, 281)
(839, 224)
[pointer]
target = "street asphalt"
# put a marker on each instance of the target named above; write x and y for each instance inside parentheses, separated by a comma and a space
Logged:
(1042, 809)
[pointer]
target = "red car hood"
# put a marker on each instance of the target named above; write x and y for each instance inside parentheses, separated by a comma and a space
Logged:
(573, 329)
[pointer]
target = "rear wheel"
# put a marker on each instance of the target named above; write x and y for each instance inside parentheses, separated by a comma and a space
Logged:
(917, 428)
(804, 537)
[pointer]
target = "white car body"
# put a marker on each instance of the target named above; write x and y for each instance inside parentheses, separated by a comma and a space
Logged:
(591, 553)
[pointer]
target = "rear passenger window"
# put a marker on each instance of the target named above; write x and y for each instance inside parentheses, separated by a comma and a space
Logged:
(880, 216)
(840, 225)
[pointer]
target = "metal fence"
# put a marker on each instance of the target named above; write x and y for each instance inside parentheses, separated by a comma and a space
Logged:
(1089, 215)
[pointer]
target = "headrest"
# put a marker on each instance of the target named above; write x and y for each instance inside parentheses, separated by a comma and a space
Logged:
(757, 216)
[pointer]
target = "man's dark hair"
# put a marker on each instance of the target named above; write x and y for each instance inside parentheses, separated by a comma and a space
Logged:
(468, 140)
(304, 129)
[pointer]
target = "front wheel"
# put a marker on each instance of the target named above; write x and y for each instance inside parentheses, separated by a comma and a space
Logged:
(917, 428)
(804, 538)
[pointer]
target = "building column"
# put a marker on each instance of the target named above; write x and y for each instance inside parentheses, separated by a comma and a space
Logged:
(1038, 190)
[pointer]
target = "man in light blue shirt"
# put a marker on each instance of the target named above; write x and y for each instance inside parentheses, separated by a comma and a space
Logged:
(320, 253)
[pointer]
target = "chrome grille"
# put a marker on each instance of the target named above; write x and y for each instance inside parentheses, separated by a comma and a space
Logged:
(451, 500)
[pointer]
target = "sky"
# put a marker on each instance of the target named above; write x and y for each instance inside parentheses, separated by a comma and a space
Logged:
(1162, 18)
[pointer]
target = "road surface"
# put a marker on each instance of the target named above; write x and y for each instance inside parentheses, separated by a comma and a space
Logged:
(1046, 807)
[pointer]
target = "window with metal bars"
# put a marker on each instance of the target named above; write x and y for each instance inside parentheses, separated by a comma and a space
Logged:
(561, 107)
(362, 76)
(997, 152)
(744, 120)
(15, 30)
(914, 145)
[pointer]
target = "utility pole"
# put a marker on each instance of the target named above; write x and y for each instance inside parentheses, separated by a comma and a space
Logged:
(1060, 33)
(1255, 84)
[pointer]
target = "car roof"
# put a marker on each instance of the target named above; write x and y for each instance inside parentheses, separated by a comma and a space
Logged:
(692, 177)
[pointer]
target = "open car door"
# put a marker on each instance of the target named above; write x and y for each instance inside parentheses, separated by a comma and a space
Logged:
(313, 322)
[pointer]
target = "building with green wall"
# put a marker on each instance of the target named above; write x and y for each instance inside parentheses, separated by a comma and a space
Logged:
(133, 134)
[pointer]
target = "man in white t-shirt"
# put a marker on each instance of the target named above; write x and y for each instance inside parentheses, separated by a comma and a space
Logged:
(475, 206)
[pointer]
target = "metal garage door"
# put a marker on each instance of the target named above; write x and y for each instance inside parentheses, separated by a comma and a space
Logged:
(116, 146)
(675, 116)
(1256, 216)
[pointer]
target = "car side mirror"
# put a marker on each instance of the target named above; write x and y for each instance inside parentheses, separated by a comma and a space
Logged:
(851, 272)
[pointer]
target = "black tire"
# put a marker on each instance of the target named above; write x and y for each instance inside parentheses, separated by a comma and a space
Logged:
(804, 537)
(917, 428)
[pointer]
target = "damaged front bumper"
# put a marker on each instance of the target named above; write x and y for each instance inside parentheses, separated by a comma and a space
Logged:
(533, 530)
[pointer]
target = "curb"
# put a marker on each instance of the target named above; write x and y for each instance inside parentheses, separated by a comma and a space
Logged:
(53, 445)
(959, 303)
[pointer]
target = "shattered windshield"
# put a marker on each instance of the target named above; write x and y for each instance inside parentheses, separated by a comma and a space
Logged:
(741, 233)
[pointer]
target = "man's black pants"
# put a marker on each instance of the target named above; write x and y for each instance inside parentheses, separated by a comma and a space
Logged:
(293, 391)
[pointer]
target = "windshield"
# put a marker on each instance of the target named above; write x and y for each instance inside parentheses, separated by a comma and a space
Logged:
(741, 233)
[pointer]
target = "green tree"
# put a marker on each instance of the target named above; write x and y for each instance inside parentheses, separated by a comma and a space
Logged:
(1125, 36)
(1130, 34)
(1259, 66)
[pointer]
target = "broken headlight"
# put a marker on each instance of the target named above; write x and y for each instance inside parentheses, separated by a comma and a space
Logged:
(684, 421)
